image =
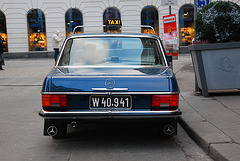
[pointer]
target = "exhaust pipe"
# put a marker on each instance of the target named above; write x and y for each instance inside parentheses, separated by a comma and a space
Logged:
(168, 130)
(74, 124)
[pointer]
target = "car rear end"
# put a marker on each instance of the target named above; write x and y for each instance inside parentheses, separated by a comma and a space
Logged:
(110, 77)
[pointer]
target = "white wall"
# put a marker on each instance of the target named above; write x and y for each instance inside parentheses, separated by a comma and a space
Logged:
(16, 16)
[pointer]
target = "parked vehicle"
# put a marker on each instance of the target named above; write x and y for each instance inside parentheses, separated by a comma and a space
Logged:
(108, 77)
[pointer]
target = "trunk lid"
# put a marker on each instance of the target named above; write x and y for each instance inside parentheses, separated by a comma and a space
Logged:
(85, 79)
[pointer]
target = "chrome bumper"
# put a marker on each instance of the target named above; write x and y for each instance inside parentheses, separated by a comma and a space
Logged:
(111, 114)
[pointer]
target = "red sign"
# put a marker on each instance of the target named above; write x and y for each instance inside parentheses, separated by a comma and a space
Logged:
(170, 27)
(170, 34)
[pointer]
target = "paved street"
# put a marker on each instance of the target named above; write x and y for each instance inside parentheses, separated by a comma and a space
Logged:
(21, 127)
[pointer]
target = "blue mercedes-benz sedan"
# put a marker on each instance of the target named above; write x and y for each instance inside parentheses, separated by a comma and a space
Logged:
(110, 77)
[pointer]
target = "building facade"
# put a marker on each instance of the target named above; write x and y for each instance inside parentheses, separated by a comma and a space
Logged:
(28, 25)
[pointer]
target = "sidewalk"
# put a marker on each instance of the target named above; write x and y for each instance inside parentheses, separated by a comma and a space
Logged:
(213, 122)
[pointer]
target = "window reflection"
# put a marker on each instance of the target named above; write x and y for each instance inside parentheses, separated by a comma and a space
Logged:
(73, 18)
(36, 31)
(112, 51)
(3, 30)
(149, 16)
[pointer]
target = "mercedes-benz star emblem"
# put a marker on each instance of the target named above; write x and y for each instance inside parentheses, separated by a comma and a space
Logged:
(169, 129)
(110, 83)
(52, 130)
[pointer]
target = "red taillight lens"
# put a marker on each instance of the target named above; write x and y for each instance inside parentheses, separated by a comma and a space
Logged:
(164, 100)
(54, 100)
(173, 100)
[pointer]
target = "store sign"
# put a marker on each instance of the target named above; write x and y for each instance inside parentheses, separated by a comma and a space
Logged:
(169, 3)
(169, 19)
(170, 34)
(170, 27)
(114, 22)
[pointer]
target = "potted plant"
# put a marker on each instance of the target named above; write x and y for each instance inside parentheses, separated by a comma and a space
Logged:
(216, 50)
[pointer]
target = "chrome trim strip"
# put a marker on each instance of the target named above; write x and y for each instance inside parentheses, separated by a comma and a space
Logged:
(142, 26)
(107, 92)
(105, 66)
(95, 76)
(94, 114)
(107, 89)
(163, 51)
(114, 35)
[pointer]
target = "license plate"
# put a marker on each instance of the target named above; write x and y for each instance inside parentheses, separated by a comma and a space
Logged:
(113, 101)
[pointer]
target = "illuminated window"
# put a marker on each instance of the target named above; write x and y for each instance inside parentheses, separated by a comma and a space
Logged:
(149, 16)
(36, 31)
(73, 18)
(3, 30)
(112, 18)
(186, 25)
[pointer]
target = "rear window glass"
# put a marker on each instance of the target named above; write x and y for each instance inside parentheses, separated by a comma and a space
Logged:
(111, 51)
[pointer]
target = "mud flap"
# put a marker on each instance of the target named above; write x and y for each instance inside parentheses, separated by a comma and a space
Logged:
(169, 128)
(54, 128)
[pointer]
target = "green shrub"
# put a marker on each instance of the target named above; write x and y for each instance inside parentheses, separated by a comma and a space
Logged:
(218, 22)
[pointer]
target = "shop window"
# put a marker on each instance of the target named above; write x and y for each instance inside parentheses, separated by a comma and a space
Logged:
(36, 31)
(186, 25)
(112, 19)
(149, 16)
(3, 29)
(73, 18)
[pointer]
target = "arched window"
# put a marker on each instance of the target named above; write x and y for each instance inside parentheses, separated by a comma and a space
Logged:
(73, 18)
(36, 30)
(186, 25)
(149, 16)
(3, 29)
(112, 18)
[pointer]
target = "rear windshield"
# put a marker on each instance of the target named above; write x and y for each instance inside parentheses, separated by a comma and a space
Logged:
(112, 51)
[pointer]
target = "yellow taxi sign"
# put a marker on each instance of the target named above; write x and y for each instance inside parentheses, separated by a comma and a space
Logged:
(114, 22)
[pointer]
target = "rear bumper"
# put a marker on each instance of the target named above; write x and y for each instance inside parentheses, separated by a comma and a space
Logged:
(108, 114)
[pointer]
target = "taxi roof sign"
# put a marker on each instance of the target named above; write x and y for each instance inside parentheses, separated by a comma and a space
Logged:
(111, 22)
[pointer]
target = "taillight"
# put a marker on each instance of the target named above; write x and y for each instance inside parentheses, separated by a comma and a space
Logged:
(54, 100)
(164, 100)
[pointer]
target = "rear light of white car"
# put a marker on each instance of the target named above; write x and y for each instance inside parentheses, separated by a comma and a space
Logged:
(164, 100)
(54, 100)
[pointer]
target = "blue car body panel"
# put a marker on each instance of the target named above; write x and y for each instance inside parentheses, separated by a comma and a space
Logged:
(80, 79)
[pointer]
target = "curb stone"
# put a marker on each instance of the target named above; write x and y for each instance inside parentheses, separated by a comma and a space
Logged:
(206, 135)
